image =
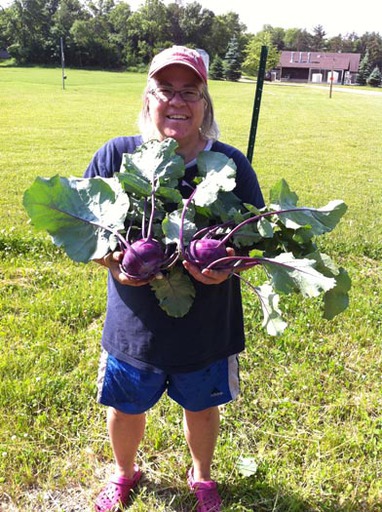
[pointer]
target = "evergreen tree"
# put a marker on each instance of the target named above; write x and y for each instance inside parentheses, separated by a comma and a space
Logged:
(232, 61)
(363, 70)
(216, 71)
(375, 78)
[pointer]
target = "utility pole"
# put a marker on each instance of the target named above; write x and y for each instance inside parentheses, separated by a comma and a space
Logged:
(62, 62)
(331, 80)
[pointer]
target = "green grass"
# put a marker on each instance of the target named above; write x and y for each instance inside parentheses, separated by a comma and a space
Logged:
(310, 413)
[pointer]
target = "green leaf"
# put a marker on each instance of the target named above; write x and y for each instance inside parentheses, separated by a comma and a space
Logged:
(269, 300)
(171, 227)
(247, 236)
(336, 300)
(156, 159)
(134, 184)
(79, 213)
(175, 292)
(289, 274)
(265, 228)
(281, 196)
(219, 174)
(169, 195)
(320, 220)
(253, 209)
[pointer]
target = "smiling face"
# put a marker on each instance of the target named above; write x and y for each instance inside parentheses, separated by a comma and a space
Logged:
(176, 117)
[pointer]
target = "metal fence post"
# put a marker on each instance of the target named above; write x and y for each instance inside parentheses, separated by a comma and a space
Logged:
(257, 102)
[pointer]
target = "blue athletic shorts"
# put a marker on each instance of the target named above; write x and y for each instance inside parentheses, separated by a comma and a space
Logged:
(133, 391)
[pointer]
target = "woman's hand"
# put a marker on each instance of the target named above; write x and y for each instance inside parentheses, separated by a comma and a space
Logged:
(112, 261)
(209, 276)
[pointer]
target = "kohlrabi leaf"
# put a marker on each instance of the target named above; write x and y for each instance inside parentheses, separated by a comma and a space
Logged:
(336, 300)
(289, 274)
(247, 236)
(135, 184)
(320, 220)
(269, 300)
(226, 206)
(175, 292)
(219, 173)
(155, 159)
(171, 227)
(282, 196)
(265, 228)
(79, 213)
(169, 195)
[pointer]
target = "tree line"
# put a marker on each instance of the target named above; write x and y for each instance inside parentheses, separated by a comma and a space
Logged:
(108, 34)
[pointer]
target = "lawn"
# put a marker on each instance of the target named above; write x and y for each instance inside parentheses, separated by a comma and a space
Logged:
(309, 418)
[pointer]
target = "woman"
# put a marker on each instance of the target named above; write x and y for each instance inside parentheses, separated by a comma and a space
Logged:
(145, 352)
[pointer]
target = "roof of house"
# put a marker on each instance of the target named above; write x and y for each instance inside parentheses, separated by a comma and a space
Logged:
(320, 60)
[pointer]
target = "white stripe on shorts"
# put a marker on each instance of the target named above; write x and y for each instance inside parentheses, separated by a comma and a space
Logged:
(101, 373)
(233, 375)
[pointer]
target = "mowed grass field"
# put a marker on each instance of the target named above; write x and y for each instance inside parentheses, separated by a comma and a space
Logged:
(309, 418)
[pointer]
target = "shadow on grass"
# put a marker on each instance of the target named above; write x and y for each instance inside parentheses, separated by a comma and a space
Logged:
(246, 495)
(250, 494)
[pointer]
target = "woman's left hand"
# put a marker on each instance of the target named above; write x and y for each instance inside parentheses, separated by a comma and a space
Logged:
(209, 276)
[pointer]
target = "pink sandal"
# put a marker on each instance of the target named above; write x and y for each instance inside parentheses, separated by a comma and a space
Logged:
(116, 492)
(206, 493)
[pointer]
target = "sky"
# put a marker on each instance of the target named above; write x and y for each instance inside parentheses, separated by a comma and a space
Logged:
(335, 16)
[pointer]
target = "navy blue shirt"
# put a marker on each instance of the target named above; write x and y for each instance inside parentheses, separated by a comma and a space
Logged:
(137, 330)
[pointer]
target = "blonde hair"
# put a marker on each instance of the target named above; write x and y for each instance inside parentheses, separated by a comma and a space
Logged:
(209, 128)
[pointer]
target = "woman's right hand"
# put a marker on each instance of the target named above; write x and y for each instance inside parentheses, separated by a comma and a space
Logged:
(112, 261)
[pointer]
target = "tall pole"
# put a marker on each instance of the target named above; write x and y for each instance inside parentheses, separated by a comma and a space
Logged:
(62, 62)
(257, 102)
(331, 80)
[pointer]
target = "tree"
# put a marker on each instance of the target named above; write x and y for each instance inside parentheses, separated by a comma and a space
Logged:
(253, 53)
(343, 44)
(374, 47)
(363, 70)
(31, 22)
(174, 11)
(298, 40)
(375, 78)
(232, 61)
(67, 13)
(118, 19)
(216, 71)
(196, 23)
(371, 43)
(6, 35)
(318, 39)
(92, 40)
(224, 27)
(148, 30)
(277, 36)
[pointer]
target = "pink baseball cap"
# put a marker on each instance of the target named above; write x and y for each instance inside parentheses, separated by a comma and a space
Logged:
(179, 55)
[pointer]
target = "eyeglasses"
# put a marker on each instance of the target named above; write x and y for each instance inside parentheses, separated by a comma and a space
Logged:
(166, 94)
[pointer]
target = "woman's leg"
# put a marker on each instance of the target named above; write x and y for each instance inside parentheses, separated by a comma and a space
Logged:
(126, 432)
(201, 430)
